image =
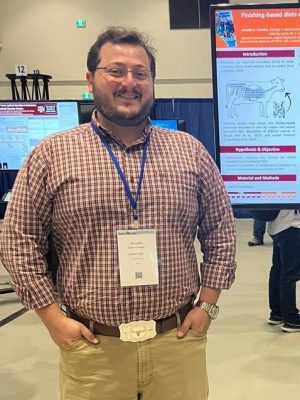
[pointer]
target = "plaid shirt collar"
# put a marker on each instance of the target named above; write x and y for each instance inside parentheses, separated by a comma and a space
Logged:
(146, 132)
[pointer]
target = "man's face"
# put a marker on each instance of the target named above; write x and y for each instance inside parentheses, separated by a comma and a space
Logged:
(124, 101)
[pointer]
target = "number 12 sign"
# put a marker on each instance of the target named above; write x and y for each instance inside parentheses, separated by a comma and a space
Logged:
(21, 70)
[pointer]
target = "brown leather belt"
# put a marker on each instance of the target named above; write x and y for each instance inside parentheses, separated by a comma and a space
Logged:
(162, 325)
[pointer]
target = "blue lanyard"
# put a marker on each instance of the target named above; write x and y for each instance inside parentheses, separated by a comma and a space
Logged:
(133, 201)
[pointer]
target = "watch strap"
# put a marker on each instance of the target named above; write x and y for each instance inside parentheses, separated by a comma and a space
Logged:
(211, 309)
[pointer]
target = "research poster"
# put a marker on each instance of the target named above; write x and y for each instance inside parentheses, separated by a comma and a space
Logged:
(257, 62)
(24, 124)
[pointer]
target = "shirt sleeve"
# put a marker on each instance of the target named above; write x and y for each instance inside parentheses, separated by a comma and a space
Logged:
(24, 237)
(216, 231)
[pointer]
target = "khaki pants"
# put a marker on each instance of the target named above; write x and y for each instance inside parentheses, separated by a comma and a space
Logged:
(162, 368)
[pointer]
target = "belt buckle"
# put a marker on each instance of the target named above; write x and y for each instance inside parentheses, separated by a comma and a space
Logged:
(137, 331)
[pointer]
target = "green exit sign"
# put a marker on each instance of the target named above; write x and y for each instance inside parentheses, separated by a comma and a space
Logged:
(86, 96)
(80, 23)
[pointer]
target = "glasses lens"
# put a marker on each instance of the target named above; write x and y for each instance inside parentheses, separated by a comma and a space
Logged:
(141, 74)
(116, 72)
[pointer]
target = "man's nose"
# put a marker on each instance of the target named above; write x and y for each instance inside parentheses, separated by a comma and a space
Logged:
(129, 79)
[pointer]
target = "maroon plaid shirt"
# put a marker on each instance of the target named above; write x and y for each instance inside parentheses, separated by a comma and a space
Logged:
(70, 186)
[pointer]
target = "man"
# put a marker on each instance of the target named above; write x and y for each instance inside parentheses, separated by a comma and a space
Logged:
(285, 270)
(123, 201)
(259, 229)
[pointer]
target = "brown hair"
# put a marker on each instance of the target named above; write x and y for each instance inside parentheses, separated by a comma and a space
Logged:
(120, 35)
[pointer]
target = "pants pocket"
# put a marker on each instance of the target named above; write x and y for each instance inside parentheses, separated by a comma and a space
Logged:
(197, 334)
(74, 346)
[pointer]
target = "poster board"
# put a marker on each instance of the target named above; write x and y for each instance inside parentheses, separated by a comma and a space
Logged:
(256, 81)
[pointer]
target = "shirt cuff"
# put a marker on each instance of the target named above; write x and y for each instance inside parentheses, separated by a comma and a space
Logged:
(36, 295)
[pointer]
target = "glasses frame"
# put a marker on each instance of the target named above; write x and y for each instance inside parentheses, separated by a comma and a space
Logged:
(125, 73)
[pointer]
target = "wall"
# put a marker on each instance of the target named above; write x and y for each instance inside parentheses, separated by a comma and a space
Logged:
(42, 35)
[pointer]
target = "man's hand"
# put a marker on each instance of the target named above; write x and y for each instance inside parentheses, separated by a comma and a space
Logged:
(67, 331)
(64, 331)
(196, 320)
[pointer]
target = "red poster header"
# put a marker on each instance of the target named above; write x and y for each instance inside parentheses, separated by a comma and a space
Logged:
(258, 28)
(259, 178)
(258, 149)
(20, 109)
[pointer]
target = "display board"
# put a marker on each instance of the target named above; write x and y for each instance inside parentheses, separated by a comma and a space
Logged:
(166, 123)
(86, 108)
(6, 197)
(256, 81)
(23, 124)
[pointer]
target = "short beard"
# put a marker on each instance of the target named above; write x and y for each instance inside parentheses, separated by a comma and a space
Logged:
(122, 119)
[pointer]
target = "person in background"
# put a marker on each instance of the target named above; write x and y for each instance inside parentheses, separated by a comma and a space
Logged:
(285, 270)
(123, 201)
(259, 229)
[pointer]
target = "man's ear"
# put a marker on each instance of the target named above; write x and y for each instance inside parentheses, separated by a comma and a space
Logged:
(90, 81)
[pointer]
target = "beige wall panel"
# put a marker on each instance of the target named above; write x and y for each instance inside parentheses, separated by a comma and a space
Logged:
(42, 35)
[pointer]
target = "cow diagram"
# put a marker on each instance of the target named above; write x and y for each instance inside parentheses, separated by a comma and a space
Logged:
(271, 96)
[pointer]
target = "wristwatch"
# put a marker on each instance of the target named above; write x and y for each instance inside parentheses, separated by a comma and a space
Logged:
(211, 309)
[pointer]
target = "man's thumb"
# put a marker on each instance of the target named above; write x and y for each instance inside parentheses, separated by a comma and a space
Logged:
(86, 333)
(183, 329)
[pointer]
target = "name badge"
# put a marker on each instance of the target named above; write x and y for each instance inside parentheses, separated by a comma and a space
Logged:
(138, 260)
(137, 331)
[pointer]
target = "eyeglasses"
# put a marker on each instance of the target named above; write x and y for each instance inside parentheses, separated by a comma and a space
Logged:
(119, 72)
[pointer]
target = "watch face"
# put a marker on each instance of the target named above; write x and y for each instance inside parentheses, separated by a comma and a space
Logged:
(211, 309)
(213, 313)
